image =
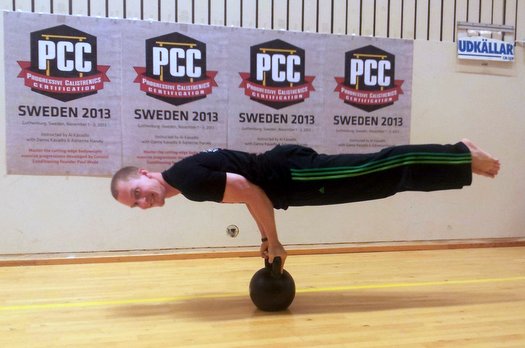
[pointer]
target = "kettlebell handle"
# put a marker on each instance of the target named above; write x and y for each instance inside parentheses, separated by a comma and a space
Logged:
(275, 266)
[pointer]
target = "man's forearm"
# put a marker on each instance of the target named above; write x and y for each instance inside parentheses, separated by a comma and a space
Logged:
(261, 209)
(260, 225)
(240, 190)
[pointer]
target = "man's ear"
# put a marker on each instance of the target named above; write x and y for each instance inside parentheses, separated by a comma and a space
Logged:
(143, 171)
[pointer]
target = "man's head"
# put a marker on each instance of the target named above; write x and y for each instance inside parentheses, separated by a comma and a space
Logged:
(137, 187)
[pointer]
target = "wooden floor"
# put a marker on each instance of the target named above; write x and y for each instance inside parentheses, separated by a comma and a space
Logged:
(441, 298)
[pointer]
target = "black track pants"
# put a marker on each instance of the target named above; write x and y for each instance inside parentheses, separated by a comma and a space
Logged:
(318, 179)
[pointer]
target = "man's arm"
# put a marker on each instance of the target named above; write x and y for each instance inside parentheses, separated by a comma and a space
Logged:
(240, 190)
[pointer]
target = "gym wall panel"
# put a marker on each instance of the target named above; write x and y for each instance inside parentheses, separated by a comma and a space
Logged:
(448, 30)
(280, 15)
(396, 8)
(62, 6)
(233, 13)
(23, 5)
(520, 24)
(339, 17)
(6, 5)
(133, 9)
(79, 8)
(295, 17)
(201, 12)
(367, 18)
(184, 12)
(97, 8)
(462, 10)
(115, 8)
(381, 18)
(217, 12)
(248, 14)
(310, 15)
(42, 6)
(353, 17)
(474, 11)
(422, 16)
(485, 10)
(434, 24)
(497, 13)
(264, 14)
(150, 13)
(512, 11)
(325, 18)
(167, 11)
(409, 18)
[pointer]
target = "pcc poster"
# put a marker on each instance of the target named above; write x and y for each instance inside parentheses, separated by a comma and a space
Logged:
(86, 96)
(175, 97)
(63, 94)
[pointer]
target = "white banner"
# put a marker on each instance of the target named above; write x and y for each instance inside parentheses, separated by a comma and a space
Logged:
(85, 96)
(175, 100)
(335, 93)
(63, 88)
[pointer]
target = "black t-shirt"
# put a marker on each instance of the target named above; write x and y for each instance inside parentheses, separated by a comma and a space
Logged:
(202, 177)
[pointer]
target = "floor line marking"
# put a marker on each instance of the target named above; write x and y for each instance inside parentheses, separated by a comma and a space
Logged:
(412, 284)
(160, 300)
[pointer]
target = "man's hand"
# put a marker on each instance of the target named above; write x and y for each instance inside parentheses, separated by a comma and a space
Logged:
(264, 249)
(274, 250)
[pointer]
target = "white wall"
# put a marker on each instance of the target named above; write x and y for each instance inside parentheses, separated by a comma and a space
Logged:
(450, 100)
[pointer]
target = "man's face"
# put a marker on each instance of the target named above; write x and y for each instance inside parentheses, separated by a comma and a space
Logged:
(143, 192)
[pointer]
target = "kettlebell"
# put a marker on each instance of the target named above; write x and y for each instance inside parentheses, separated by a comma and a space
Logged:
(271, 290)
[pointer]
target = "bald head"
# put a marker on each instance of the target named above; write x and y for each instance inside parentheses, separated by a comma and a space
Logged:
(123, 175)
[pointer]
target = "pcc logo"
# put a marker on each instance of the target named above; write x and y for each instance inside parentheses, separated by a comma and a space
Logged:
(175, 70)
(277, 75)
(63, 64)
(369, 83)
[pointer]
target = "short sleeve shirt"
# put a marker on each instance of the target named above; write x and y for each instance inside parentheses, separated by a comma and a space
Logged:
(202, 177)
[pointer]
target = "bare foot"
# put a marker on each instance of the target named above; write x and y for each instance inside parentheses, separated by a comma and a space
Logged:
(482, 162)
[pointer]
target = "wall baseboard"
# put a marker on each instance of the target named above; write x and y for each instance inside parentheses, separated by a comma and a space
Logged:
(300, 249)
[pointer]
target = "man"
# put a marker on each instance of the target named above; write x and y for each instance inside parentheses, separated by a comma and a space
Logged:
(291, 175)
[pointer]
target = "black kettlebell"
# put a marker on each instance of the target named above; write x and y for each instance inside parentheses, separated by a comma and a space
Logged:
(271, 290)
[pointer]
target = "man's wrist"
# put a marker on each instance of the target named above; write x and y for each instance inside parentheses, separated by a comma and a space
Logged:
(264, 239)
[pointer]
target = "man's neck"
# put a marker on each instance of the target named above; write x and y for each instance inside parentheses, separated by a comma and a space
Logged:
(170, 190)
